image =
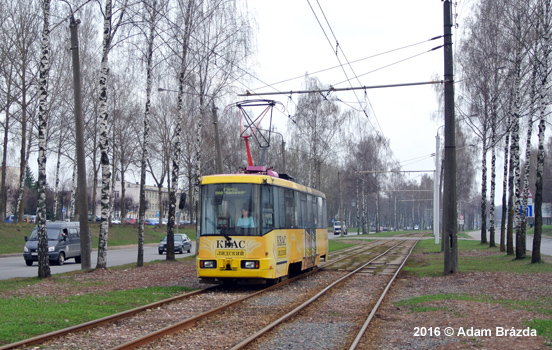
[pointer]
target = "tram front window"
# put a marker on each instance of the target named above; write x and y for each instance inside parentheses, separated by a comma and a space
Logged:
(230, 209)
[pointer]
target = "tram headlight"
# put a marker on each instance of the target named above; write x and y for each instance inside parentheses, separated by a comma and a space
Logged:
(250, 264)
(208, 264)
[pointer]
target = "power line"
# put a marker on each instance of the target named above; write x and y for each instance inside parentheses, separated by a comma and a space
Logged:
(394, 63)
(337, 46)
(349, 63)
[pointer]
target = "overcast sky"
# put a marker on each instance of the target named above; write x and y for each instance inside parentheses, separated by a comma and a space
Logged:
(291, 42)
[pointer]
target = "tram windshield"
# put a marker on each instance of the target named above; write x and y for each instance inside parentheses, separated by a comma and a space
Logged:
(230, 209)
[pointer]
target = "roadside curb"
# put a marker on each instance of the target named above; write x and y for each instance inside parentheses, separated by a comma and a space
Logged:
(11, 255)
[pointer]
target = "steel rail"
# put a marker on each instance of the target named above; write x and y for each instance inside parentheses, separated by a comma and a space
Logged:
(360, 250)
(190, 321)
(261, 332)
(380, 300)
(101, 321)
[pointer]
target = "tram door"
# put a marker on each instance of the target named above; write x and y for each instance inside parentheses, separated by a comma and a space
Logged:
(310, 248)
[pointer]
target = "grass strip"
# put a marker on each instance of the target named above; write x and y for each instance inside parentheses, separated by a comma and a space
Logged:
(26, 317)
(427, 260)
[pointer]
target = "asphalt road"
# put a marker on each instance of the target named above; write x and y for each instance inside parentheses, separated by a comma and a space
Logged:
(13, 265)
(546, 243)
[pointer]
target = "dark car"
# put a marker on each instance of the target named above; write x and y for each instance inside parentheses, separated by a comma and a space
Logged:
(98, 218)
(181, 243)
(130, 221)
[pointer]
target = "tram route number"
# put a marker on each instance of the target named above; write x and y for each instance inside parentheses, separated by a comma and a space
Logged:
(226, 253)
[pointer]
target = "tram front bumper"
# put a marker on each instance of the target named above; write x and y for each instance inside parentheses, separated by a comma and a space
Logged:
(236, 268)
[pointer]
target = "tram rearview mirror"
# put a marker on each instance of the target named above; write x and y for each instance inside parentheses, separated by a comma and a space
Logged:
(182, 200)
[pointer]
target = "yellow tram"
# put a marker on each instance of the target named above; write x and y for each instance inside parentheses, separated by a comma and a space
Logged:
(256, 227)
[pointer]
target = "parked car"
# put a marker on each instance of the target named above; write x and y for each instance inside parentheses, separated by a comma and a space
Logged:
(115, 221)
(29, 218)
(165, 221)
(151, 221)
(98, 218)
(181, 243)
(9, 218)
(130, 221)
(63, 243)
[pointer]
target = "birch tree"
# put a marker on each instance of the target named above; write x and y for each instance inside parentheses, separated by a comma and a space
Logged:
(483, 60)
(24, 38)
(177, 146)
(44, 68)
(108, 34)
(317, 129)
(544, 35)
(151, 12)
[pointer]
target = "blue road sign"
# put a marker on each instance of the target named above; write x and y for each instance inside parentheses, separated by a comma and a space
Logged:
(528, 212)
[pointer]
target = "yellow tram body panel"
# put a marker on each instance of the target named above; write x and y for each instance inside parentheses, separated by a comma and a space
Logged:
(262, 257)
(274, 252)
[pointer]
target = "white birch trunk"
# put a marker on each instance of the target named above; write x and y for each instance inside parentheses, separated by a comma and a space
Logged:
(504, 190)
(484, 187)
(545, 14)
(56, 186)
(516, 164)
(493, 185)
(145, 137)
(513, 178)
(104, 140)
(177, 136)
(43, 261)
(524, 199)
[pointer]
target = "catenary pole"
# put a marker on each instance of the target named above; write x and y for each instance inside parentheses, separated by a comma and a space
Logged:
(86, 247)
(217, 140)
(450, 229)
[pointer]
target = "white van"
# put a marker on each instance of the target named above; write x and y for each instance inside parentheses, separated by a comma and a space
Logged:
(339, 226)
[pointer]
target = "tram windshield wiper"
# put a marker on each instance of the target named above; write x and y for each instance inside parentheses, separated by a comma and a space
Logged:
(219, 230)
(222, 232)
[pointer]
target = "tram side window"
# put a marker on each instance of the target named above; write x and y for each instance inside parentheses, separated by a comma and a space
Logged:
(289, 209)
(301, 209)
(321, 209)
(311, 211)
(267, 209)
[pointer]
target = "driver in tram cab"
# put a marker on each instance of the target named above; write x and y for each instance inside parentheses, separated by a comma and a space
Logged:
(245, 222)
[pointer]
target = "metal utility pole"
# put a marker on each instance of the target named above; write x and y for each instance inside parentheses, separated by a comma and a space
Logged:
(450, 229)
(217, 141)
(283, 156)
(436, 189)
(340, 204)
(86, 247)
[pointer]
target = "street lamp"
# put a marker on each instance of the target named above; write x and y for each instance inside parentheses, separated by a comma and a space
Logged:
(162, 90)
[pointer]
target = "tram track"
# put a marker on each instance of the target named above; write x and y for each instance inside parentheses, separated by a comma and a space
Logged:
(291, 294)
(337, 287)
